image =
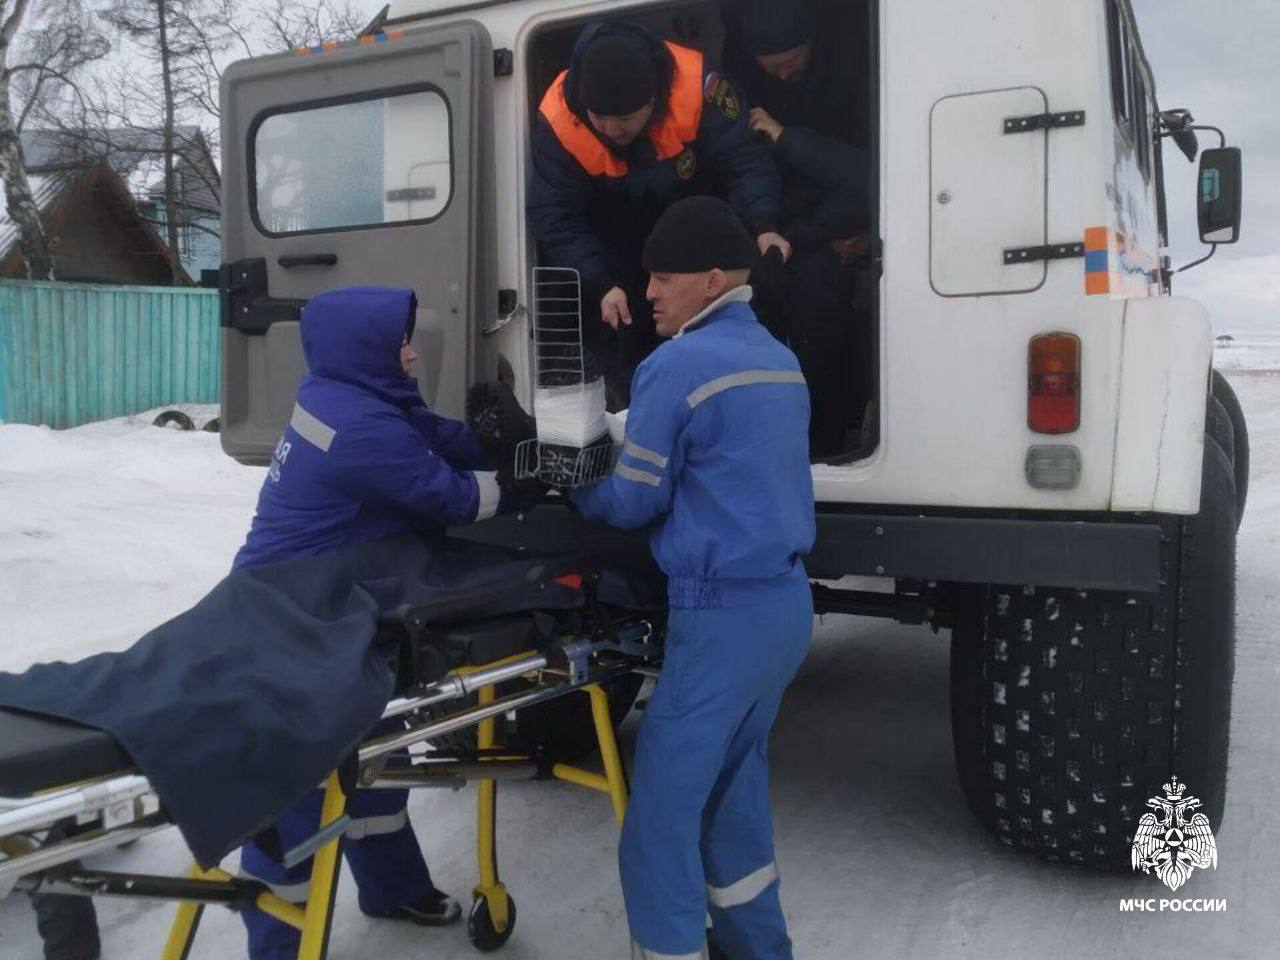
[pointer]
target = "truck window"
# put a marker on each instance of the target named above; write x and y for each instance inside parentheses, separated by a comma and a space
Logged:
(1142, 119)
(384, 158)
(1121, 66)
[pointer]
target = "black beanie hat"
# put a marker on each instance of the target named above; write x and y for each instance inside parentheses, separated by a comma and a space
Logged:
(696, 235)
(618, 76)
(774, 26)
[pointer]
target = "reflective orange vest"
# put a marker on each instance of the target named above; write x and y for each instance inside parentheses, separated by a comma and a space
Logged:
(670, 136)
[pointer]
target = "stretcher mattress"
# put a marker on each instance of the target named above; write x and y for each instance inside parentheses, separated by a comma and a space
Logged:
(38, 753)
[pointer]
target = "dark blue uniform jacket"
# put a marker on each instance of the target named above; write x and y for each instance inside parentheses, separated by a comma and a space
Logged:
(585, 222)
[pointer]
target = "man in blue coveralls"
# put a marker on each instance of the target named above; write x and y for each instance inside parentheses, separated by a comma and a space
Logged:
(716, 462)
(362, 459)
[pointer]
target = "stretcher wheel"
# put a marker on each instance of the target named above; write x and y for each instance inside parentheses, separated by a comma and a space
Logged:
(480, 925)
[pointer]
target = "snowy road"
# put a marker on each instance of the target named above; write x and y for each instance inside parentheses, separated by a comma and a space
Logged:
(109, 529)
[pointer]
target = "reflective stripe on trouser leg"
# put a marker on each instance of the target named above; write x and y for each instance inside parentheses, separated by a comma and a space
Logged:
(745, 890)
(378, 825)
(640, 953)
(737, 846)
(737, 823)
(681, 744)
(388, 867)
(719, 665)
(386, 861)
(269, 939)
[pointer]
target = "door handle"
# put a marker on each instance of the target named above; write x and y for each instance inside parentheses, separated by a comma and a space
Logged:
(307, 260)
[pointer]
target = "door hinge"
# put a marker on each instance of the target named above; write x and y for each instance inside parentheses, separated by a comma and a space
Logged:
(504, 62)
(246, 306)
(1053, 251)
(1044, 121)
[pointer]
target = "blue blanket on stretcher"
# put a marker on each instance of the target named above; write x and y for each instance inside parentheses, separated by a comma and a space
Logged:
(240, 706)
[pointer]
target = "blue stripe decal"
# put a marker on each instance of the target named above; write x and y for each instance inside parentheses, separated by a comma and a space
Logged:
(1095, 261)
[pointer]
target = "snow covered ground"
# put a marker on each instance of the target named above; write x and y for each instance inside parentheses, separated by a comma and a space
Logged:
(111, 528)
(1246, 354)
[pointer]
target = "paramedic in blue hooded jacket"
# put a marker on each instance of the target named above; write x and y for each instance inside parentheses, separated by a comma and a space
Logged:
(362, 459)
(633, 125)
(716, 464)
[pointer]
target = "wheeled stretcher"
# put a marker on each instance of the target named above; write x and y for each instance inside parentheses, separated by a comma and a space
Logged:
(452, 677)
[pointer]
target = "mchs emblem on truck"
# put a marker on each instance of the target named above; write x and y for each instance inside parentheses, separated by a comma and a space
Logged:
(1172, 840)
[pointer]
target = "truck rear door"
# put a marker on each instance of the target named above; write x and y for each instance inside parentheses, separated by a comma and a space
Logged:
(347, 165)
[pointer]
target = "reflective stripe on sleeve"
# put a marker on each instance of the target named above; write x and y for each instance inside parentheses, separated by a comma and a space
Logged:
(490, 494)
(639, 476)
(746, 889)
(633, 449)
(746, 378)
(311, 428)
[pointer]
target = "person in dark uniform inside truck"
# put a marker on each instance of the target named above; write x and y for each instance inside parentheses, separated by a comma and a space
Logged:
(633, 125)
(808, 105)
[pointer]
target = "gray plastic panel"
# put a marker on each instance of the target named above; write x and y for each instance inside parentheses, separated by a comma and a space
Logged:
(438, 254)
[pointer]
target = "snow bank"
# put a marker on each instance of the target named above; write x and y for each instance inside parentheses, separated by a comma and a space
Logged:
(110, 528)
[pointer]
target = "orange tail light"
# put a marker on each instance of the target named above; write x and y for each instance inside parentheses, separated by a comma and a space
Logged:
(1053, 383)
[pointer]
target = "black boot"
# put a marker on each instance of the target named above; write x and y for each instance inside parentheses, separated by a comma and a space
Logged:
(436, 909)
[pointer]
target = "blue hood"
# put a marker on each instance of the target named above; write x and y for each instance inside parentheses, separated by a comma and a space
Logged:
(353, 334)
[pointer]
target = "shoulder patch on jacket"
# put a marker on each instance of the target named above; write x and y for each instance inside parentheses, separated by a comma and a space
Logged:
(719, 92)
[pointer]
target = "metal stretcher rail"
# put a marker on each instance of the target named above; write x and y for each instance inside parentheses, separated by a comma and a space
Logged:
(89, 798)
(460, 685)
(393, 743)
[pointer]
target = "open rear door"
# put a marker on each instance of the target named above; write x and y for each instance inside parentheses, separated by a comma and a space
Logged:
(364, 163)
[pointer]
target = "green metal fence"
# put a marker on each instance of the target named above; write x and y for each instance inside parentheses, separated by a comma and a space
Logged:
(71, 353)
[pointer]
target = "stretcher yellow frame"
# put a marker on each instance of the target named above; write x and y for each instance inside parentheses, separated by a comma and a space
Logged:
(314, 918)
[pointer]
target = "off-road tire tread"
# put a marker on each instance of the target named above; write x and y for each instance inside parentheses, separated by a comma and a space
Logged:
(1070, 708)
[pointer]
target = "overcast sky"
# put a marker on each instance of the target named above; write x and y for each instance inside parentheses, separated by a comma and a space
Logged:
(1222, 61)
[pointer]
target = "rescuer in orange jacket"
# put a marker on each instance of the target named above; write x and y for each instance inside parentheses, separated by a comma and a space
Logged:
(632, 126)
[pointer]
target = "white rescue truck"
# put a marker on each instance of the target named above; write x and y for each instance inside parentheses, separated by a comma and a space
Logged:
(1054, 473)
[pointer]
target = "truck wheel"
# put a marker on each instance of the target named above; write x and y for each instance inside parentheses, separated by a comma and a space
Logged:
(1069, 708)
(1218, 427)
(1226, 396)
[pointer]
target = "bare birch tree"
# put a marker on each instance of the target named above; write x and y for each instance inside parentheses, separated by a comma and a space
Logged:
(172, 36)
(290, 24)
(42, 52)
(169, 84)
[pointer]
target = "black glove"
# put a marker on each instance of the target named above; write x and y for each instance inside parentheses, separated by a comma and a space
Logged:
(498, 422)
(516, 496)
(769, 281)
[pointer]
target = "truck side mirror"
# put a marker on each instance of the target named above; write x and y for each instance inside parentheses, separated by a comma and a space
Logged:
(1220, 195)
